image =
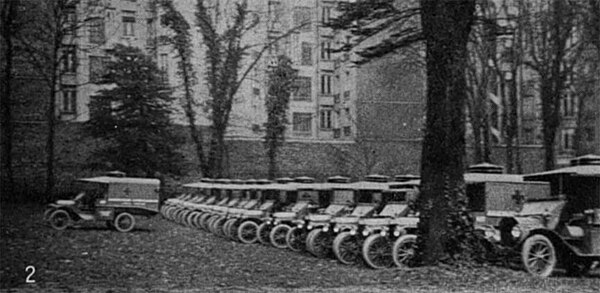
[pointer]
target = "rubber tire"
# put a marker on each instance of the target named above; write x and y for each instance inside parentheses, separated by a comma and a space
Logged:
(47, 213)
(204, 221)
(318, 248)
(189, 219)
(59, 214)
(229, 229)
(400, 260)
(242, 234)
(552, 260)
(218, 226)
(279, 240)
(121, 216)
(263, 233)
(367, 255)
(296, 239)
(340, 251)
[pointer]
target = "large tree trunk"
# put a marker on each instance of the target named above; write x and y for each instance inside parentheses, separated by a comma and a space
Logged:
(7, 180)
(446, 26)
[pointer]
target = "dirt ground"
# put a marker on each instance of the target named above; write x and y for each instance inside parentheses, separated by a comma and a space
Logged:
(162, 256)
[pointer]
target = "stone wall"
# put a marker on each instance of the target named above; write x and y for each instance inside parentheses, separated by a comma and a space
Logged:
(245, 159)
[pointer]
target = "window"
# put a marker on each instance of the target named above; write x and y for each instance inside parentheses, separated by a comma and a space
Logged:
(275, 12)
(326, 119)
(96, 30)
(129, 24)
(347, 131)
(69, 99)
(70, 59)
(528, 106)
(303, 88)
(528, 136)
(97, 68)
(346, 96)
(163, 63)
(589, 133)
(302, 18)
(326, 50)
(336, 98)
(71, 20)
(325, 14)
(567, 138)
(151, 33)
(256, 91)
(326, 84)
(302, 122)
(306, 58)
(568, 105)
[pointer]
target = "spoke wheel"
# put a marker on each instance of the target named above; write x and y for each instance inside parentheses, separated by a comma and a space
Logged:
(377, 252)
(346, 248)
(60, 219)
(124, 222)
(220, 226)
(296, 239)
(404, 249)
(539, 256)
(278, 235)
(47, 213)
(204, 221)
(189, 219)
(263, 233)
(229, 230)
(247, 232)
(320, 243)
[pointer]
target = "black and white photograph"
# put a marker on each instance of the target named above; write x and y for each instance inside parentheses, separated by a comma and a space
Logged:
(403, 146)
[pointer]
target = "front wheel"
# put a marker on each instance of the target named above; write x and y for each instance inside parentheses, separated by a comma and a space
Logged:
(539, 256)
(264, 232)
(124, 222)
(59, 219)
(296, 239)
(377, 252)
(247, 232)
(319, 243)
(278, 234)
(404, 249)
(346, 248)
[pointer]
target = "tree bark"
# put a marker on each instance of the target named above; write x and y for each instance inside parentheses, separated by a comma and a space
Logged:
(446, 26)
(8, 14)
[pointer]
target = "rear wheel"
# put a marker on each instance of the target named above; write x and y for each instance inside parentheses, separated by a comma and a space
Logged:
(346, 248)
(247, 232)
(204, 221)
(539, 256)
(60, 219)
(278, 234)
(377, 252)
(263, 233)
(124, 222)
(296, 239)
(404, 249)
(319, 243)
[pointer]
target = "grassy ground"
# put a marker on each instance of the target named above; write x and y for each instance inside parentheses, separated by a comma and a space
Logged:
(163, 256)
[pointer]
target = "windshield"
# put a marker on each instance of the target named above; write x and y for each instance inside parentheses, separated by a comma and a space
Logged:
(369, 196)
(311, 196)
(90, 190)
(396, 196)
(344, 197)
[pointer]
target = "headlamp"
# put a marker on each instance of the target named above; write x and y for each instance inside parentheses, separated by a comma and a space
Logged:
(516, 232)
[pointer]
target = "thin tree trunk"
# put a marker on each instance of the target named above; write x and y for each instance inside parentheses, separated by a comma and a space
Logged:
(8, 14)
(51, 119)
